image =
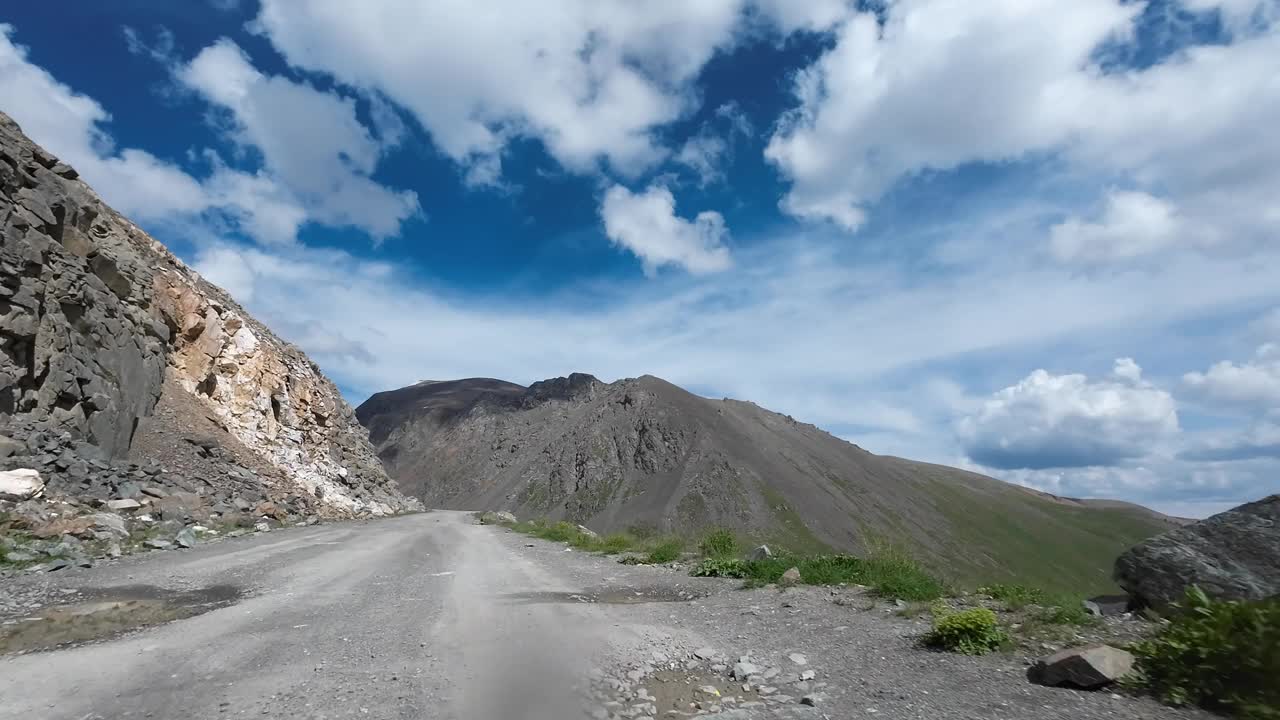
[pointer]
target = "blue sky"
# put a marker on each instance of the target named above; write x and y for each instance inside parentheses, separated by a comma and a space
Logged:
(1034, 238)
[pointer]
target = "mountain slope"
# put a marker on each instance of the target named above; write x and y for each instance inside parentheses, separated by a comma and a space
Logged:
(645, 452)
(121, 366)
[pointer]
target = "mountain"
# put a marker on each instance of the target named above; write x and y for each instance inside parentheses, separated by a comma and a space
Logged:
(126, 377)
(643, 452)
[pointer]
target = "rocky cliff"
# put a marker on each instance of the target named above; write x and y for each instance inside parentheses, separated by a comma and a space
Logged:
(119, 364)
(643, 452)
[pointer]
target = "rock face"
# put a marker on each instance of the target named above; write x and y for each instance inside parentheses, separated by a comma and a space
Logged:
(1087, 668)
(118, 364)
(1233, 555)
(643, 451)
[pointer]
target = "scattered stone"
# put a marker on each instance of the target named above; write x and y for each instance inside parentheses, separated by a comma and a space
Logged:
(1087, 667)
(262, 527)
(790, 577)
(158, 544)
(705, 653)
(186, 538)
(124, 504)
(807, 675)
(592, 534)
(811, 700)
(798, 659)
(20, 484)
(744, 670)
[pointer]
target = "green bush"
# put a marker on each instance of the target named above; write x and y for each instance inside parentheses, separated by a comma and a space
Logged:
(1220, 655)
(719, 543)
(666, 551)
(721, 567)
(1015, 597)
(972, 632)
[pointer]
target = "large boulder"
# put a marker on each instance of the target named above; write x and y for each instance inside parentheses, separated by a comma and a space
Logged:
(1234, 555)
(21, 484)
(1087, 667)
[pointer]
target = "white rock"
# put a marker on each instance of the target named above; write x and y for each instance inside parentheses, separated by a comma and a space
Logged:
(798, 659)
(124, 504)
(20, 484)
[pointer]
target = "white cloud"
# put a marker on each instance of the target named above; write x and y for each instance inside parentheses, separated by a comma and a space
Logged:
(944, 83)
(706, 152)
(647, 225)
(589, 79)
(134, 181)
(1065, 421)
(1260, 440)
(310, 140)
(811, 15)
(1133, 224)
(1252, 386)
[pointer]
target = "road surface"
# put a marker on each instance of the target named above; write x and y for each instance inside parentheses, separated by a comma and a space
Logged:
(422, 616)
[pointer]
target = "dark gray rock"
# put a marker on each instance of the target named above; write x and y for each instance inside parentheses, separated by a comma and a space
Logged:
(1107, 605)
(1234, 555)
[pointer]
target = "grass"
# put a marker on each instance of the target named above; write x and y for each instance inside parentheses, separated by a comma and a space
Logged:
(889, 574)
(655, 548)
(719, 543)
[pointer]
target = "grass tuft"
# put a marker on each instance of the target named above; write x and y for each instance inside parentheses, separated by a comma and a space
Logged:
(719, 543)
(892, 575)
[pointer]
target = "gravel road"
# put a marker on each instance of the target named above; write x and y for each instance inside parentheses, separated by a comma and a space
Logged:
(431, 616)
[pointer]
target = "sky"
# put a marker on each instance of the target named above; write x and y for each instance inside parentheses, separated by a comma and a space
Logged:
(1032, 238)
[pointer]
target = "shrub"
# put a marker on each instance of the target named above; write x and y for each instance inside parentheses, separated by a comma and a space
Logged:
(719, 543)
(1220, 655)
(1015, 597)
(972, 632)
(721, 567)
(666, 551)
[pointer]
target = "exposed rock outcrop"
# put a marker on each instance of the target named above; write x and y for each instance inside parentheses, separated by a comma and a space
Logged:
(1233, 555)
(100, 325)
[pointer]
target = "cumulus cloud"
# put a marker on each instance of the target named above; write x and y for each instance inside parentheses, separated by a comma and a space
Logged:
(590, 80)
(646, 224)
(310, 140)
(1063, 421)
(944, 83)
(134, 181)
(1251, 386)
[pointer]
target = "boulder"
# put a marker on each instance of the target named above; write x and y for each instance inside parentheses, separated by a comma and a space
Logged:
(581, 528)
(497, 518)
(110, 522)
(123, 504)
(790, 577)
(1086, 667)
(760, 553)
(20, 484)
(186, 538)
(1230, 556)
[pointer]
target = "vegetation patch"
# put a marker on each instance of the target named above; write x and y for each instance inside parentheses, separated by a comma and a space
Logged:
(971, 632)
(1014, 597)
(1223, 656)
(666, 550)
(891, 575)
(719, 543)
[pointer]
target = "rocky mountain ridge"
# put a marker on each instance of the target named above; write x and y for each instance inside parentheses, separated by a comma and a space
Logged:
(120, 366)
(643, 452)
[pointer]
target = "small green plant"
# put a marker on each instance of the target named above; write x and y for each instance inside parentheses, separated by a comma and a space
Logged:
(1065, 610)
(1014, 597)
(666, 551)
(971, 632)
(1220, 655)
(719, 543)
(721, 567)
